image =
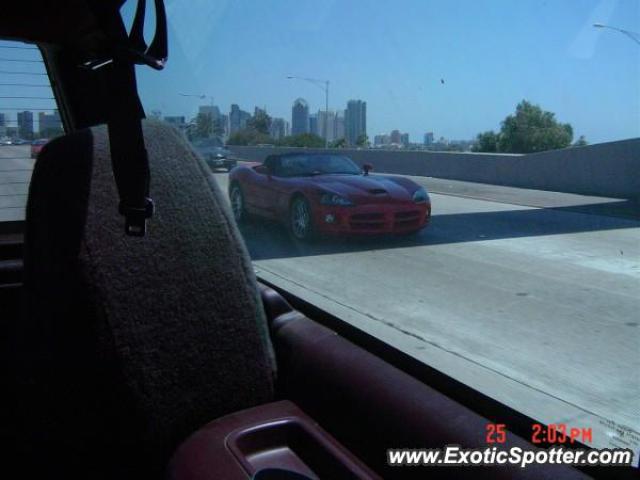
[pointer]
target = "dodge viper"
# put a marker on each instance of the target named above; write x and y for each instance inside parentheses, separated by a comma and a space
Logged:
(327, 194)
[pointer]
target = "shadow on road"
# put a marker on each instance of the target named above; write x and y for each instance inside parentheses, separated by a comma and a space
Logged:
(266, 240)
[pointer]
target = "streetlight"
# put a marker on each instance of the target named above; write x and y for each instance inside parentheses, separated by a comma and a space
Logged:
(324, 85)
(632, 35)
(202, 97)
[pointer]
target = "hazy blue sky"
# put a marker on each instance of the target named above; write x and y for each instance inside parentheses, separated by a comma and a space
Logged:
(490, 53)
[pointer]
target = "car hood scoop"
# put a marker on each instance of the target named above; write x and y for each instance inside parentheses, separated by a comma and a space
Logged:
(364, 189)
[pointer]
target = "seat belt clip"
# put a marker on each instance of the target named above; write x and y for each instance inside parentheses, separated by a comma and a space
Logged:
(136, 217)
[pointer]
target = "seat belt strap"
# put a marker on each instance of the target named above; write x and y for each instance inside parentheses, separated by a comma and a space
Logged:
(129, 158)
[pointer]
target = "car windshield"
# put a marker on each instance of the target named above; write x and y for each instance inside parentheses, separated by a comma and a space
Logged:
(308, 165)
(517, 272)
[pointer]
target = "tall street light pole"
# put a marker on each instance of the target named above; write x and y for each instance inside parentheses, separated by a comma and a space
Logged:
(324, 85)
(632, 35)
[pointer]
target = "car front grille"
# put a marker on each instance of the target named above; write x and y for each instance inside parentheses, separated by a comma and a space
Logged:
(407, 219)
(367, 221)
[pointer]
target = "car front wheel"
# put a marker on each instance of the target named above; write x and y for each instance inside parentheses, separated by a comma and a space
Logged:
(301, 220)
(237, 203)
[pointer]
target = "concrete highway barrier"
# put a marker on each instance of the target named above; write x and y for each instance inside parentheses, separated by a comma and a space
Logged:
(607, 169)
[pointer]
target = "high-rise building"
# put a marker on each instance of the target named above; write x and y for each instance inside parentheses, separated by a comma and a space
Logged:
(355, 119)
(395, 137)
(340, 132)
(380, 140)
(224, 120)
(299, 117)
(237, 119)
(49, 123)
(25, 124)
(327, 130)
(279, 128)
(212, 110)
(404, 139)
(428, 138)
(3, 124)
(313, 124)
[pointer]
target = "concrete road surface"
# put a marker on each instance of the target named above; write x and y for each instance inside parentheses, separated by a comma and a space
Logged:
(531, 297)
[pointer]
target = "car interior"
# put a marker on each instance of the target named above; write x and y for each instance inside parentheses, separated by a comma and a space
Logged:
(137, 341)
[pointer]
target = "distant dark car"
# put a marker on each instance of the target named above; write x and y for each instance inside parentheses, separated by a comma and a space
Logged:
(328, 194)
(37, 145)
(214, 154)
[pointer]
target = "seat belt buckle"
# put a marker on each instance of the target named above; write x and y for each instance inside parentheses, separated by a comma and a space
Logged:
(136, 217)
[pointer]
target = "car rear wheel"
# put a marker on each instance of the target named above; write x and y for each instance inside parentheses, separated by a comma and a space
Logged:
(236, 198)
(300, 219)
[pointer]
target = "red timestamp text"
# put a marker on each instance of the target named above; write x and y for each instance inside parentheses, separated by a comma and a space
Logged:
(556, 433)
(560, 433)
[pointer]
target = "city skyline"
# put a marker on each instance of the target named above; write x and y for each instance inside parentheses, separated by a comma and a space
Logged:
(314, 123)
(440, 72)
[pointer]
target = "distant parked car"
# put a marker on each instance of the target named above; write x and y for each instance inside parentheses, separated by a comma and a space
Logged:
(37, 145)
(20, 141)
(6, 141)
(214, 154)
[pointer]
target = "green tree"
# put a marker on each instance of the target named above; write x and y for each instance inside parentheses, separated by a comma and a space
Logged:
(248, 136)
(581, 142)
(532, 129)
(362, 140)
(339, 143)
(486, 142)
(308, 140)
(260, 122)
(218, 127)
(203, 126)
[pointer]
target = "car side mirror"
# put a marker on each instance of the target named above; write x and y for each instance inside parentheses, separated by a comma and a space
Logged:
(367, 167)
(263, 170)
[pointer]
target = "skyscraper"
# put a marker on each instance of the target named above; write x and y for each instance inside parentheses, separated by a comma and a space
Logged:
(25, 124)
(3, 125)
(49, 123)
(313, 124)
(299, 117)
(428, 138)
(395, 137)
(212, 110)
(404, 139)
(340, 133)
(355, 119)
(237, 119)
(330, 125)
(279, 128)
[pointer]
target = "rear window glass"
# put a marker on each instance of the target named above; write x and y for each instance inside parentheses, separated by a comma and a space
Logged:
(29, 118)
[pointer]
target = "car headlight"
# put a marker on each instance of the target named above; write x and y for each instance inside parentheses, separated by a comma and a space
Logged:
(333, 199)
(420, 196)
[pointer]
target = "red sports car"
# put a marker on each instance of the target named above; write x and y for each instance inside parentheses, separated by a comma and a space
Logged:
(37, 145)
(327, 194)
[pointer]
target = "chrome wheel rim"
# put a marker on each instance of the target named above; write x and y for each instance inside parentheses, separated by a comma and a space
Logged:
(300, 219)
(236, 203)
